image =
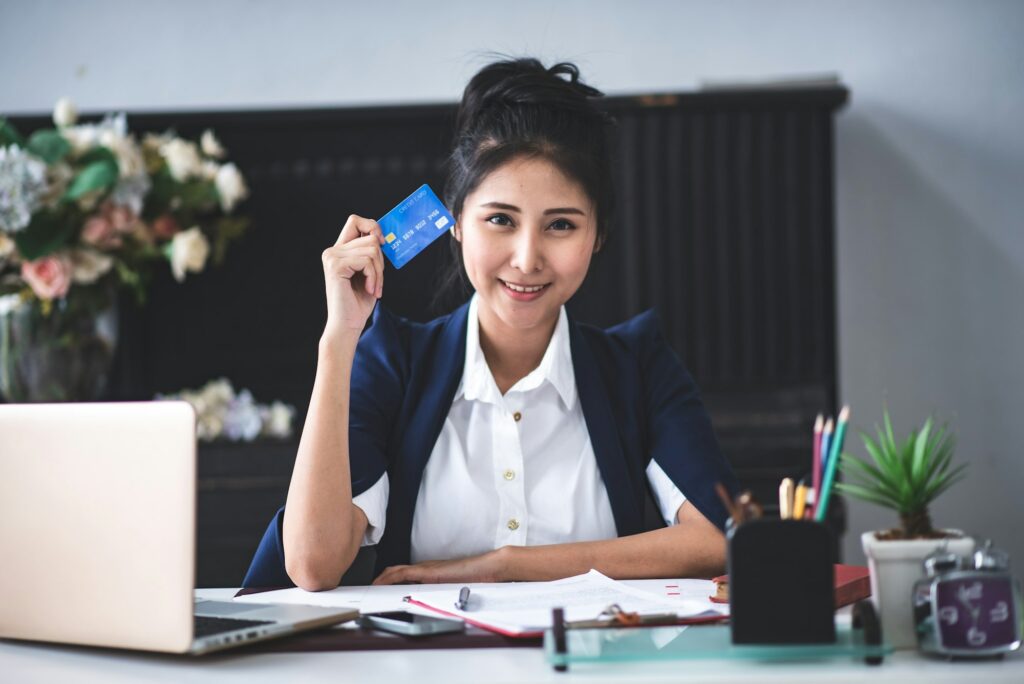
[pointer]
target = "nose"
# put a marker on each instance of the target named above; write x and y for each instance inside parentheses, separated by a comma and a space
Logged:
(527, 254)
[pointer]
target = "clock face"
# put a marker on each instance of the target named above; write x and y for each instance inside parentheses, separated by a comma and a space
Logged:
(976, 613)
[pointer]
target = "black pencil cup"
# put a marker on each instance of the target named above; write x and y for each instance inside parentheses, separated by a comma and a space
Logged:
(781, 581)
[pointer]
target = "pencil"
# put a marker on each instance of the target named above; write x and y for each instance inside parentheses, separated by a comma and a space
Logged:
(786, 499)
(800, 500)
(829, 476)
(819, 423)
(826, 442)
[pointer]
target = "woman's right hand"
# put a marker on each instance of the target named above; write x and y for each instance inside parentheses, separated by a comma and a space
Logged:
(354, 276)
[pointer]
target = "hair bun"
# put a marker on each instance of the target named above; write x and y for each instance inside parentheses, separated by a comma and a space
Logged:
(524, 82)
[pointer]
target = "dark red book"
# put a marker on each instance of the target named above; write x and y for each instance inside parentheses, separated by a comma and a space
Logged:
(853, 583)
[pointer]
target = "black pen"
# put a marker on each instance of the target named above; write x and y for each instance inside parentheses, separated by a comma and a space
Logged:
(463, 598)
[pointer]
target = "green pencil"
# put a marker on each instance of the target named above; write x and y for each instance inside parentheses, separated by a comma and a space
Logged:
(833, 463)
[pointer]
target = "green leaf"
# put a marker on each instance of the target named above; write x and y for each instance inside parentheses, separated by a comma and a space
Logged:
(921, 451)
(868, 476)
(48, 145)
(9, 134)
(867, 494)
(98, 175)
(97, 154)
(48, 232)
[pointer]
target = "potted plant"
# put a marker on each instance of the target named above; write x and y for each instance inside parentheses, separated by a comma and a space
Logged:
(907, 477)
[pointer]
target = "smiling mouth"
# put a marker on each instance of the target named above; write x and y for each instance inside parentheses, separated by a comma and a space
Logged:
(525, 289)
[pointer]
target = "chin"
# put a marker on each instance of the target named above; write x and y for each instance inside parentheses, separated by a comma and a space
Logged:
(525, 315)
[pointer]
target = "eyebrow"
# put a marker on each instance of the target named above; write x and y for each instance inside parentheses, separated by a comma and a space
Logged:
(512, 207)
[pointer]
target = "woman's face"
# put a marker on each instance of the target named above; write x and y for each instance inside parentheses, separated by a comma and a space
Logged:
(528, 232)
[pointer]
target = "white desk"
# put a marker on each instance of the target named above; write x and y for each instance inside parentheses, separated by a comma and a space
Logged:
(23, 662)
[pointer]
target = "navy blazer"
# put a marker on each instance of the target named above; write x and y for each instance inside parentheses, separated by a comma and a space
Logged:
(637, 399)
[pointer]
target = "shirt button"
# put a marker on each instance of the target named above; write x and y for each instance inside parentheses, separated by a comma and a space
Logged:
(510, 474)
(517, 416)
(513, 524)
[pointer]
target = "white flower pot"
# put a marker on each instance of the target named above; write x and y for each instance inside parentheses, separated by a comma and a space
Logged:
(895, 566)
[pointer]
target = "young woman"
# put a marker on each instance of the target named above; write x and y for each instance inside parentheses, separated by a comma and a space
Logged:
(504, 441)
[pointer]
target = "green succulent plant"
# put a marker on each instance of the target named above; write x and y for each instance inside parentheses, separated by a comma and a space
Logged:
(906, 476)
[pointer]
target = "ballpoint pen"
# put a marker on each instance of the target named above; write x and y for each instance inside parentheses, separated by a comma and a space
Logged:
(463, 599)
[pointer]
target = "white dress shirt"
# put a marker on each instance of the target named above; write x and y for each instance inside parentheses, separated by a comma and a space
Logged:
(517, 469)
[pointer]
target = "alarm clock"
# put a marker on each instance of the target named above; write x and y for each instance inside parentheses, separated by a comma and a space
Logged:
(967, 608)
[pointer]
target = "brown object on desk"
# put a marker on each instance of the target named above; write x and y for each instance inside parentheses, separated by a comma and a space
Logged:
(359, 639)
(852, 583)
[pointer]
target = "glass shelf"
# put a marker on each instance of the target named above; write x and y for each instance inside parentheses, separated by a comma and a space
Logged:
(696, 642)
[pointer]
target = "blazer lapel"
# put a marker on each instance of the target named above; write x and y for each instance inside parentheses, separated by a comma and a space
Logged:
(433, 391)
(603, 426)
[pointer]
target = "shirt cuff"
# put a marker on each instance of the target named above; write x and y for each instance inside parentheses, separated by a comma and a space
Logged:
(666, 494)
(374, 504)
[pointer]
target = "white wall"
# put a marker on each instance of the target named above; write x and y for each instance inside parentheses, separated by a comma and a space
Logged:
(930, 152)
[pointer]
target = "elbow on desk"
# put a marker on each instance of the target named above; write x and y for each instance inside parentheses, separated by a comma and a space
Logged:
(310, 575)
(315, 571)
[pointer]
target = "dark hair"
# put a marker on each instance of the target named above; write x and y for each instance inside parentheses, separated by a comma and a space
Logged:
(517, 107)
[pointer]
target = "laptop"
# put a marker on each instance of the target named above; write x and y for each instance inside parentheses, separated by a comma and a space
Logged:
(97, 531)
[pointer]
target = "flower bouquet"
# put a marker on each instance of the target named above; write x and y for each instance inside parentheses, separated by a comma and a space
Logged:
(85, 210)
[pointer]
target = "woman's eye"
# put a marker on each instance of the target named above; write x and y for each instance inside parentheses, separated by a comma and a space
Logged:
(561, 225)
(499, 220)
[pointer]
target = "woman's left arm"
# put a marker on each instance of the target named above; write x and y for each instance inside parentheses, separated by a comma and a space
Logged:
(692, 548)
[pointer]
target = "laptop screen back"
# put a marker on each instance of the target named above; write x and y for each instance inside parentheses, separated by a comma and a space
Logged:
(97, 523)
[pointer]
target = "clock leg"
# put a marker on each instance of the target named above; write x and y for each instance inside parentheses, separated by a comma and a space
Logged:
(865, 618)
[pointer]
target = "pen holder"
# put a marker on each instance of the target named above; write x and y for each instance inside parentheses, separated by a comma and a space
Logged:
(781, 583)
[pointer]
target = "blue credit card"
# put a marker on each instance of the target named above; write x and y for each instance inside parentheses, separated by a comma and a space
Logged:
(416, 222)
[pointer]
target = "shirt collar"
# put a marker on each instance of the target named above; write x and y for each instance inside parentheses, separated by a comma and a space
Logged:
(555, 366)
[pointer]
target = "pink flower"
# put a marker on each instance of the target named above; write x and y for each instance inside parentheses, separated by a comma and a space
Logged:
(121, 217)
(100, 232)
(165, 227)
(49, 277)
(104, 230)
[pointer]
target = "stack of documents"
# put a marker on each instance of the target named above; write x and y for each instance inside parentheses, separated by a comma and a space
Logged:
(523, 609)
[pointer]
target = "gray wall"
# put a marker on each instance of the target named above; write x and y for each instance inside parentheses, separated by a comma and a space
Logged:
(930, 153)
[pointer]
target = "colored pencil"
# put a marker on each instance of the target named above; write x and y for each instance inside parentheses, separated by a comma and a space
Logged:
(800, 500)
(819, 423)
(826, 442)
(836, 449)
(786, 499)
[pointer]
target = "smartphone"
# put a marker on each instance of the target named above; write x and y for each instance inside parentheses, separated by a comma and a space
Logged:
(410, 624)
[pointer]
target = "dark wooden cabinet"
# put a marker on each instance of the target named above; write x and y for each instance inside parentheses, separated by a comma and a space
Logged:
(241, 485)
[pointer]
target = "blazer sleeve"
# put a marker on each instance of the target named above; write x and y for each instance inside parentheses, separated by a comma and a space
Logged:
(377, 390)
(680, 437)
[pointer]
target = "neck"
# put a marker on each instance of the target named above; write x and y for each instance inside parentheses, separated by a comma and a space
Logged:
(512, 353)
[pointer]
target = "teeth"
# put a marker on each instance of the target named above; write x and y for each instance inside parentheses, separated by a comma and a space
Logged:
(518, 288)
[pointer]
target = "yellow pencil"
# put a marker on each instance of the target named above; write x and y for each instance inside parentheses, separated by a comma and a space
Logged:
(800, 501)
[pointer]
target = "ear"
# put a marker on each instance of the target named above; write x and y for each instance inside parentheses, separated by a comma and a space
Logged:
(598, 243)
(456, 233)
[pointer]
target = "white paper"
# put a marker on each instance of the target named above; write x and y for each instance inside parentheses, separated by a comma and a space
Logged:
(526, 606)
(518, 606)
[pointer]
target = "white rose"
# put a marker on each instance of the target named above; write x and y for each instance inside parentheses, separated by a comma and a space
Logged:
(218, 393)
(208, 171)
(6, 246)
(210, 145)
(65, 113)
(126, 151)
(230, 187)
(277, 420)
(209, 427)
(182, 158)
(81, 138)
(87, 265)
(188, 252)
